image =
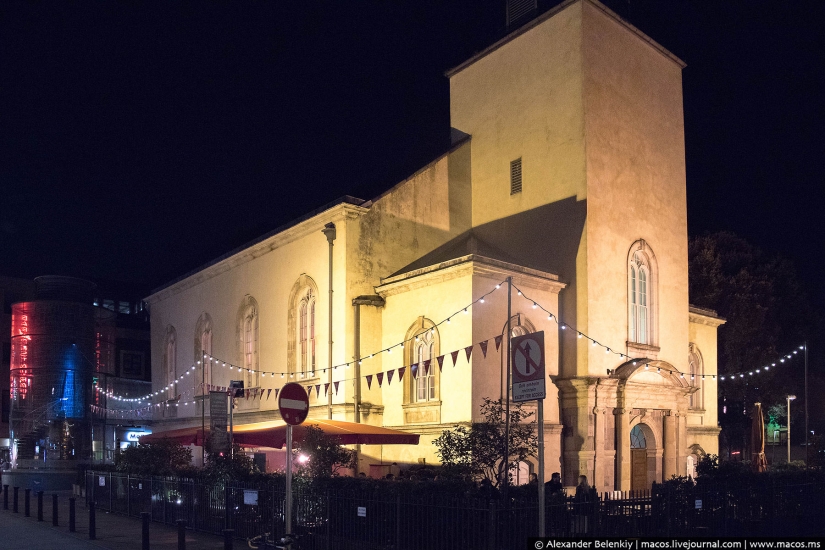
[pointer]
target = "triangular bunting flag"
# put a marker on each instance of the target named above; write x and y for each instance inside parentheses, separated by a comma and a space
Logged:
(369, 381)
(247, 394)
(309, 391)
(401, 373)
(469, 351)
(267, 393)
(455, 356)
(318, 390)
(483, 346)
(414, 371)
(440, 360)
(335, 385)
(277, 391)
(326, 389)
(389, 376)
(498, 341)
(427, 367)
(380, 377)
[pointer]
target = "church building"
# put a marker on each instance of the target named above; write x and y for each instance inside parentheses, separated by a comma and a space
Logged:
(566, 176)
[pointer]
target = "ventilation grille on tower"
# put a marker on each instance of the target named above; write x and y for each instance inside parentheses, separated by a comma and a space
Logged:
(515, 176)
(518, 11)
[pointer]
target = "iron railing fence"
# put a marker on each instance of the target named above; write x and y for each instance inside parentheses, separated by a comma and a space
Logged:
(375, 518)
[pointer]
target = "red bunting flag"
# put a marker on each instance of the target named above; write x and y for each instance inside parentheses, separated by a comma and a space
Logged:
(335, 385)
(455, 356)
(414, 371)
(326, 389)
(483, 346)
(468, 350)
(498, 341)
(369, 381)
(440, 360)
(401, 373)
(427, 367)
(380, 377)
(389, 376)
(247, 394)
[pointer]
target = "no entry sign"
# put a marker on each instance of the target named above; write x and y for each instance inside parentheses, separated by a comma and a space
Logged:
(528, 367)
(293, 403)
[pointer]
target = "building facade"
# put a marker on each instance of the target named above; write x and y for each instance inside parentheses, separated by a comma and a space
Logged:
(567, 177)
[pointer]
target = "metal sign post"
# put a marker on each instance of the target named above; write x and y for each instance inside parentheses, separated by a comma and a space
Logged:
(293, 404)
(528, 384)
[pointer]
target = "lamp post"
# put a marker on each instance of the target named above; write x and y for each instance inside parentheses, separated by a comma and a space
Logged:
(789, 399)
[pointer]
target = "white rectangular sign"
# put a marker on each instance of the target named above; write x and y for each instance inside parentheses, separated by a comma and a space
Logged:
(250, 497)
(527, 353)
(362, 511)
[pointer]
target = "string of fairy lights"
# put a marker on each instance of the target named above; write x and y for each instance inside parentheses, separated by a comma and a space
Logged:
(534, 303)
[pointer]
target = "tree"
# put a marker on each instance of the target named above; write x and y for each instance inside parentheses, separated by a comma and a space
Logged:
(324, 455)
(478, 450)
(767, 314)
(163, 457)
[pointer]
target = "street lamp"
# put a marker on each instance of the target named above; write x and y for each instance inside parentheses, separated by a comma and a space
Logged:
(789, 399)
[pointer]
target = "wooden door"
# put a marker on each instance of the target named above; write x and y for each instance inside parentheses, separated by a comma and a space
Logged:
(638, 470)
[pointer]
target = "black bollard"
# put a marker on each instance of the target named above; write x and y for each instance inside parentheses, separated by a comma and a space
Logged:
(71, 514)
(5, 497)
(27, 509)
(145, 518)
(92, 526)
(39, 505)
(227, 538)
(14, 507)
(181, 534)
(54, 510)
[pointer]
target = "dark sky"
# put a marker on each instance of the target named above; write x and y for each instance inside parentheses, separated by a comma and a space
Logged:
(139, 140)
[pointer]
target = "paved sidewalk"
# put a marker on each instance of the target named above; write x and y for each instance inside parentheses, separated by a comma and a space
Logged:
(113, 531)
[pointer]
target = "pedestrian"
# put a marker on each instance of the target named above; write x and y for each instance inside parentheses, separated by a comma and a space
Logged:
(554, 486)
(581, 505)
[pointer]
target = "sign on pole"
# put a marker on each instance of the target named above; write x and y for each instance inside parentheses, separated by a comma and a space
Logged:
(528, 367)
(293, 403)
(218, 420)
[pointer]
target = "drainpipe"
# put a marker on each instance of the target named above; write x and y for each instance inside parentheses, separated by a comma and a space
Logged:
(369, 300)
(329, 232)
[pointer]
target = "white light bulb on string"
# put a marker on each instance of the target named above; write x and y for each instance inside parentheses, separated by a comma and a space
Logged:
(535, 305)
(481, 300)
(465, 310)
(580, 335)
(595, 343)
(607, 350)
(549, 317)
(767, 368)
(498, 286)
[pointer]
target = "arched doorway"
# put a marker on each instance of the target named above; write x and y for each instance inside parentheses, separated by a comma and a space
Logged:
(638, 459)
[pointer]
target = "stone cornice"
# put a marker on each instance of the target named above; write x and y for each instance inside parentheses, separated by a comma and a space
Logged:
(704, 317)
(340, 212)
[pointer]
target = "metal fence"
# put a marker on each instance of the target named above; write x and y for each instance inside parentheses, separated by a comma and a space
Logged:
(380, 519)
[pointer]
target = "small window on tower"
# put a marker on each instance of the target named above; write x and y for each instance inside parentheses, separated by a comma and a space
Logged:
(515, 176)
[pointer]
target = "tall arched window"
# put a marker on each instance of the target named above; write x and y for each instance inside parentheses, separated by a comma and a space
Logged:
(248, 340)
(696, 369)
(170, 362)
(641, 295)
(421, 350)
(203, 350)
(306, 314)
(302, 357)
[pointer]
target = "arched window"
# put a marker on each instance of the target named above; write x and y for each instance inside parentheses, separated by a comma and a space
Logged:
(421, 347)
(641, 293)
(696, 369)
(248, 341)
(170, 362)
(302, 357)
(203, 350)
(306, 314)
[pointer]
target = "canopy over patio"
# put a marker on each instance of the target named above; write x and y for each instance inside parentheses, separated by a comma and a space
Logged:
(273, 434)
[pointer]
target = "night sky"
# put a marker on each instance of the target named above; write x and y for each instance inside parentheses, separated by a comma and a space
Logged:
(142, 139)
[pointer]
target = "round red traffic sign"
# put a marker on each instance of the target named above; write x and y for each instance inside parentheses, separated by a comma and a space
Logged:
(293, 402)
